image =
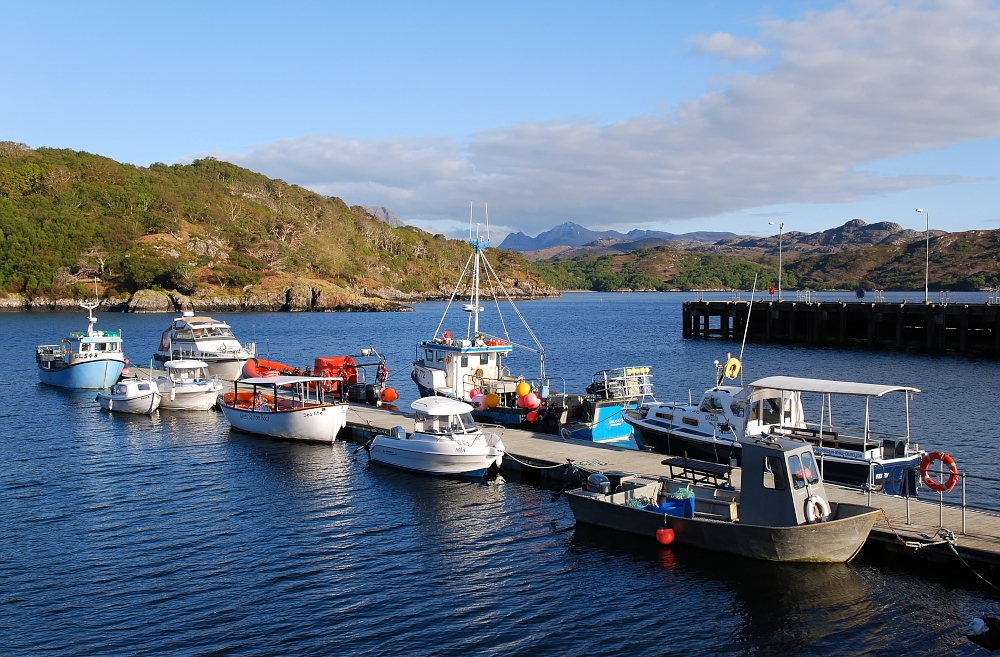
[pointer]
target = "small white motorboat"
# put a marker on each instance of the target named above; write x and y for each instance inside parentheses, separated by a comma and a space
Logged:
(139, 396)
(188, 386)
(445, 441)
(306, 408)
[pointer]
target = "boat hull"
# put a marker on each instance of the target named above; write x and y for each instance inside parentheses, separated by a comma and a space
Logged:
(436, 458)
(319, 424)
(229, 369)
(190, 400)
(834, 541)
(140, 405)
(89, 375)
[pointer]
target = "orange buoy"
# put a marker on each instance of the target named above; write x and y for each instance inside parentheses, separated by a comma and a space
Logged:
(389, 395)
(531, 416)
(664, 535)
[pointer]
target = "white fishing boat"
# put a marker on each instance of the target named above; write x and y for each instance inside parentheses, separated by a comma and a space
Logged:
(473, 367)
(208, 340)
(780, 513)
(187, 385)
(289, 407)
(138, 396)
(445, 441)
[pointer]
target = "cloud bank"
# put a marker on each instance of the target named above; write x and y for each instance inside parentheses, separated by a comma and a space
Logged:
(864, 82)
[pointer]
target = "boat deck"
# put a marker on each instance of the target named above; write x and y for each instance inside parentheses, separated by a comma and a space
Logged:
(541, 457)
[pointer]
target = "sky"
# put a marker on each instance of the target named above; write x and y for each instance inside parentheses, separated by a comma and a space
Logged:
(661, 115)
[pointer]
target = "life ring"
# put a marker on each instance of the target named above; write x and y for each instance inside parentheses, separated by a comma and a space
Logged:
(732, 368)
(479, 372)
(932, 483)
(817, 509)
(382, 374)
(448, 360)
(447, 337)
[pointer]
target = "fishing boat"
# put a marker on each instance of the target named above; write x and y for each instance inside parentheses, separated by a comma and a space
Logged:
(208, 340)
(598, 415)
(290, 407)
(445, 441)
(131, 395)
(779, 513)
(362, 385)
(187, 385)
(473, 367)
(86, 359)
(727, 416)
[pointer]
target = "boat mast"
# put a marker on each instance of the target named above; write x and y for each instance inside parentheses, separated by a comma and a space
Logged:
(90, 305)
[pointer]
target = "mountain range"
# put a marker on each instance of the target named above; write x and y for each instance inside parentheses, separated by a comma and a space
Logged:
(571, 234)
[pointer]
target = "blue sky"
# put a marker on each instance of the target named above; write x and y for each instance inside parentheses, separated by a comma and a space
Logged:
(662, 115)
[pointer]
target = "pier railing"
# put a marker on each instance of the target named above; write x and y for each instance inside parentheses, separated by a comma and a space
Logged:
(899, 475)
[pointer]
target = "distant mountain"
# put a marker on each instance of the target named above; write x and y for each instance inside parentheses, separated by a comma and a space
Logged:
(385, 215)
(570, 234)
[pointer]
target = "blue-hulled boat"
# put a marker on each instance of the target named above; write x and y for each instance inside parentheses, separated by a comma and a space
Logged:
(86, 359)
(598, 416)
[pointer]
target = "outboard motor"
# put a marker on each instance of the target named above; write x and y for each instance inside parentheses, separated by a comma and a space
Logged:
(598, 483)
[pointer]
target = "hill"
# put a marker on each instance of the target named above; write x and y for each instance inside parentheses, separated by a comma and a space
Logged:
(958, 261)
(210, 233)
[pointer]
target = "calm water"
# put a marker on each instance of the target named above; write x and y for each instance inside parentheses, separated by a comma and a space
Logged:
(172, 535)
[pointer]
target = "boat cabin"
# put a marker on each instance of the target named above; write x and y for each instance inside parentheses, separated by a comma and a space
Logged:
(457, 367)
(780, 484)
(442, 416)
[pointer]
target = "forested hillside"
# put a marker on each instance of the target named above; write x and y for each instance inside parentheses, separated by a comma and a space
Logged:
(209, 230)
(958, 261)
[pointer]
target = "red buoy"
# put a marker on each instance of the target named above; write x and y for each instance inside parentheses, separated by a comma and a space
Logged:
(665, 535)
(389, 395)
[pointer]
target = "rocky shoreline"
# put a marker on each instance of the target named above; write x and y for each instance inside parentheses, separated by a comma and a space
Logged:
(298, 298)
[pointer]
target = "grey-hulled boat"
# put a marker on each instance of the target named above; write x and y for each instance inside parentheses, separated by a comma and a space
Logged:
(780, 512)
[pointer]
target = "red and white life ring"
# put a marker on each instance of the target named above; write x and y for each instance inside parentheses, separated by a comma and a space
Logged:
(932, 483)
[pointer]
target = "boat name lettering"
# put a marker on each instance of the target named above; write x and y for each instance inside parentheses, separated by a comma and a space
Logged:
(840, 453)
(254, 416)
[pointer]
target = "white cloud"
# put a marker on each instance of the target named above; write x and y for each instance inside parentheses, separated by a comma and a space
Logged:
(866, 81)
(728, 46)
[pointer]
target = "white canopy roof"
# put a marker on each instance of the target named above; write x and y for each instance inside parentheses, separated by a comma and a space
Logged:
(796, 384)
(184, 364)
(440, 406)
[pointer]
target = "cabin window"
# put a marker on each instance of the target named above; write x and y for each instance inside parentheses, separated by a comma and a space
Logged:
(798, 476)
(738, 408)
(143, 386)
(712, 404)
(484, 359)
(439, 356)
(468, 425)
(429, 355)
(771, 411)
(774, 473)
(85, 347)
(809, 466)
(465, 361)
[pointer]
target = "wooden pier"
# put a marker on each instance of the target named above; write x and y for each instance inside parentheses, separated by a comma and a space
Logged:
(962, 329)
(908, 529)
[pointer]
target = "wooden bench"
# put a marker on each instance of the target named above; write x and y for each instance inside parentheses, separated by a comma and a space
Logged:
(699, 472)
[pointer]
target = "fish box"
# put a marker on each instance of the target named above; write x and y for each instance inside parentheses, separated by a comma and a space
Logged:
(677, 508)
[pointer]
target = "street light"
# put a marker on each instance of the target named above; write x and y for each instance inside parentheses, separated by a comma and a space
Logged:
(927, 260)
(781, 227)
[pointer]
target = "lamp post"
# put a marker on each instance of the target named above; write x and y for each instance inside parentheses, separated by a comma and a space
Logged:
(927, 259)
(781, 227)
